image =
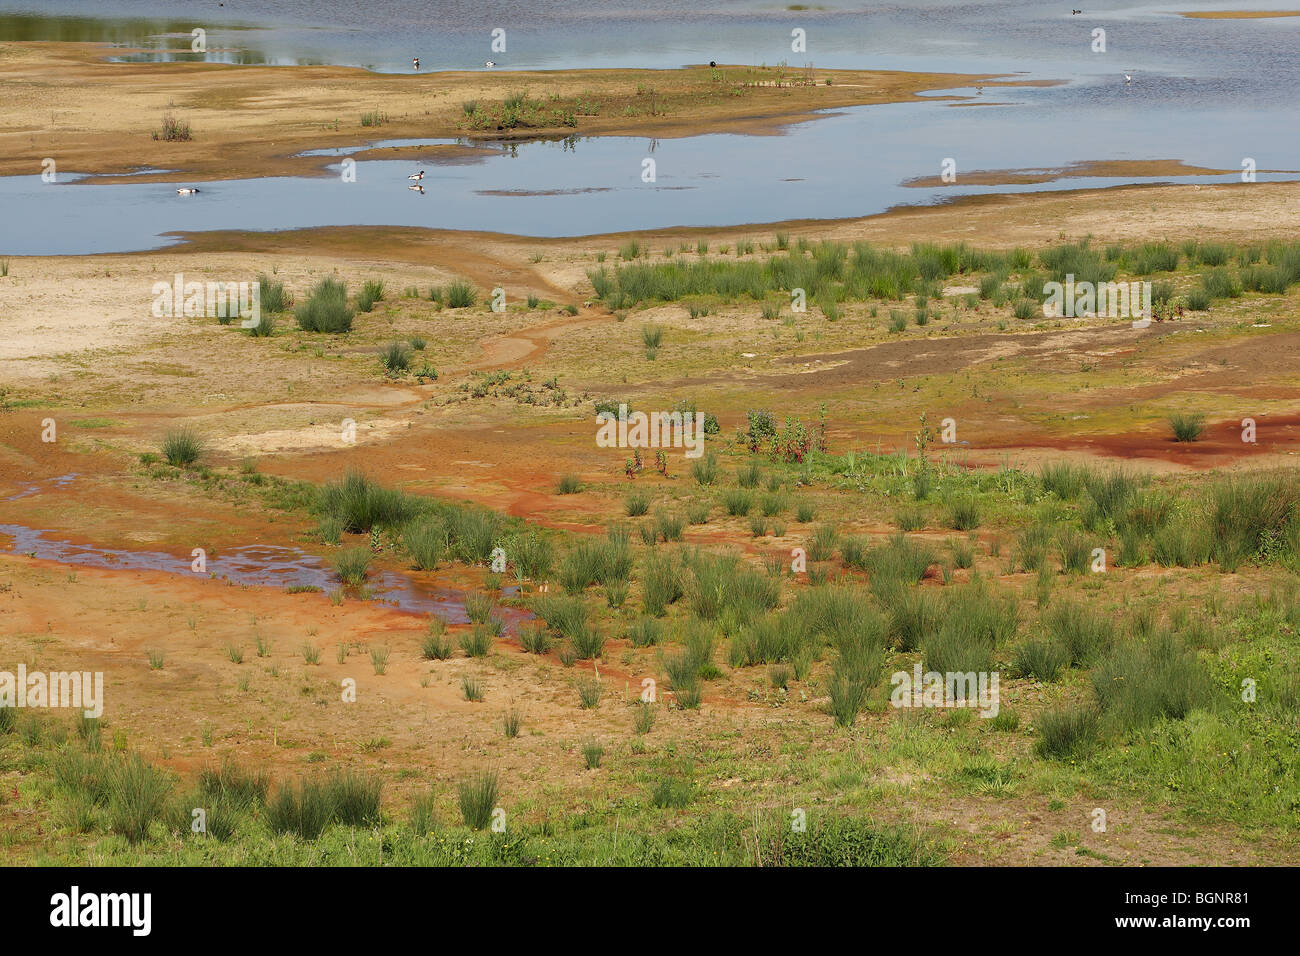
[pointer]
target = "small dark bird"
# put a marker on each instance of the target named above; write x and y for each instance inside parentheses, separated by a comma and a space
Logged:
(415, 62)
(1075, 13)
(713, 64)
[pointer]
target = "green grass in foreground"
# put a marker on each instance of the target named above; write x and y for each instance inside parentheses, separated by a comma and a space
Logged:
(125, 811)
(1181, 734)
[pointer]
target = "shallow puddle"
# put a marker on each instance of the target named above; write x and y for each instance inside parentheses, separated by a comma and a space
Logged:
(269, 566)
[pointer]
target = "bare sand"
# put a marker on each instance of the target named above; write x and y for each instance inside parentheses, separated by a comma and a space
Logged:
(1088, 169)
(64, 101)
(1240, 14)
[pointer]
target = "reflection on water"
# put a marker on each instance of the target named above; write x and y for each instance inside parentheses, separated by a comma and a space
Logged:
(157, 40)
(257, 566)
(850, 163)
(1210, 93)
(126, 31)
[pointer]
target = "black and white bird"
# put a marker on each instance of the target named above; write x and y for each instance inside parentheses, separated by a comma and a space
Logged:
(490, 63)
(415, 62)
(416, 177)
(187, 190)
(1127, 79)
(1075, 13)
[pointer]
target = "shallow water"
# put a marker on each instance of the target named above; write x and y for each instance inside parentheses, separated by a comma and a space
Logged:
(1209, 93)
(975, 35)
(31, 488)
(255, 566)
(589, 186)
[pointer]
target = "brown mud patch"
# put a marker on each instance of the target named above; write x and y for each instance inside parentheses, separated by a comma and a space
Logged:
(434, 154)
(1239, 14)
(1089, 169)
(1220, 444)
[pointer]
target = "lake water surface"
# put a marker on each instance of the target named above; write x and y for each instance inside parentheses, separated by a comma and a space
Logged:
(1208, 92)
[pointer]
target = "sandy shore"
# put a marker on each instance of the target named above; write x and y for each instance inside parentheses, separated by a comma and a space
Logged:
(40, 288)
(1240, 14)
(65, 101)
(1097, 169)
